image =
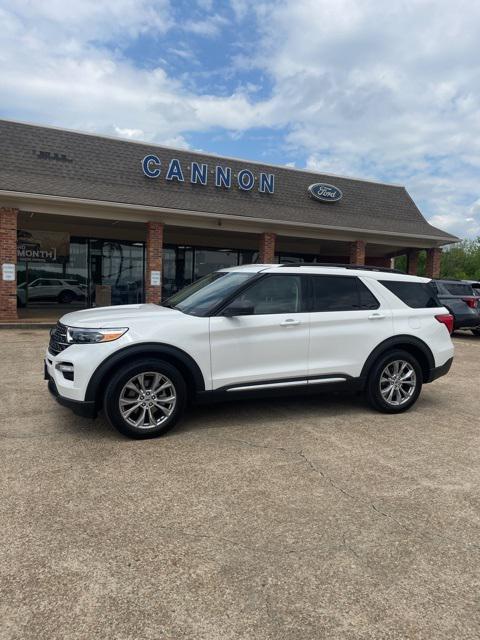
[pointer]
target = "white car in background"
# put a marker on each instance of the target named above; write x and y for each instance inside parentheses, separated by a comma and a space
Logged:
(51, 289)
(244, 331)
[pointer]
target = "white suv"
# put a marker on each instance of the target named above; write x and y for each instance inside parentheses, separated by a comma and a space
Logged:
(250, 330)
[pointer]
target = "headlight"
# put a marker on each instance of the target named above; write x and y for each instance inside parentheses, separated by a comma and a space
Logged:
(93, 336)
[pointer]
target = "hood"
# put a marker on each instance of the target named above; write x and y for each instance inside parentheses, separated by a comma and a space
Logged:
(117, 316)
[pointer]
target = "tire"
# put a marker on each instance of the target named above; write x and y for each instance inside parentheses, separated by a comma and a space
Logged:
(476, 332)
(383, 370)
(66, 297)
(156, 422)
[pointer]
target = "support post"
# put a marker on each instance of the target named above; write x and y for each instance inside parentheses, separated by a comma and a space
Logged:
(266, 249)
(8, 257)
(154, 250)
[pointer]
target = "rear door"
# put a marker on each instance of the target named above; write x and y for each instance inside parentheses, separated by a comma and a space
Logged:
(347, 322)
(271, 344)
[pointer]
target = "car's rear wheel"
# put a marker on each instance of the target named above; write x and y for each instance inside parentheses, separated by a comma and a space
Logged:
(395, 382)
(145, 399)
(66, 297)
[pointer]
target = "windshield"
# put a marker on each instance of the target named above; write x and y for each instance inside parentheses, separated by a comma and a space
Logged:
(204, 294)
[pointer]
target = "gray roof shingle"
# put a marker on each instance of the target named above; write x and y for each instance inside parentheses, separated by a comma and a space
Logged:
(50, 161)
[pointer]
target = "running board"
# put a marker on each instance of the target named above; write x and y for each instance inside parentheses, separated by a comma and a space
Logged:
(294, 383)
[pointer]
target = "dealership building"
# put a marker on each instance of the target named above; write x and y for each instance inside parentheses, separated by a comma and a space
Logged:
(90, 220)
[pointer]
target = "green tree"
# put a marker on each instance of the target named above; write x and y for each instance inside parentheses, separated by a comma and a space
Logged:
(460, 261)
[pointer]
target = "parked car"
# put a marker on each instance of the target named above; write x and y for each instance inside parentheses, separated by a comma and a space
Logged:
(248, 330)
(462, 302)
(48, 289)
(475, 286)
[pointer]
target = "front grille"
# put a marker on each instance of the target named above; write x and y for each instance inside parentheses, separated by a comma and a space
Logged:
(58, 339)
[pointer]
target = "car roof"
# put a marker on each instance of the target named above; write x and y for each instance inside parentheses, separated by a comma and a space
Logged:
(337, 270)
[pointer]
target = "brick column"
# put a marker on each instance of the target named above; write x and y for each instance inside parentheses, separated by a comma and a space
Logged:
(357, 252)
(266, 248)
(154, 251)
(8, 254)
(434, 257)
(412, 262)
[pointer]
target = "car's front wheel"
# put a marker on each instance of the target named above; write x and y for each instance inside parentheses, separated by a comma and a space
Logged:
(395, 382)
(476, 332)
(145, 398)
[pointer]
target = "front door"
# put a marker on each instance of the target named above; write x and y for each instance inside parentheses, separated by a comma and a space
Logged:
(270, 344)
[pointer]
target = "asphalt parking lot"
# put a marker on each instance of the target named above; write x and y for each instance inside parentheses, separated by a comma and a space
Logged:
(302, 518)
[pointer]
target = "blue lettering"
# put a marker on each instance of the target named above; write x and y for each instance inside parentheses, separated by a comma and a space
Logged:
(174, 171)
(245, 180)
(223, 177)
(151, 166)
(267, 183)
(199, 173)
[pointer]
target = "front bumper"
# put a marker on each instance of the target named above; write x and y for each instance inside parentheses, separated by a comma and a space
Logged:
(438, 372)
(86, 409)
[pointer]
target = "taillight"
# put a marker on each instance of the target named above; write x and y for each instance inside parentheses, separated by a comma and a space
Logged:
(447, 320)
(471, 302)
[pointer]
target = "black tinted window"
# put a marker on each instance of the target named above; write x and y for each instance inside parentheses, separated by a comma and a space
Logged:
(341, 293)
(459, 289)
(274, 294)
(418, 295)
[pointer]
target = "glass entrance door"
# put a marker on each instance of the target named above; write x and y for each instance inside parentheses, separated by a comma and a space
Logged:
(116, 272)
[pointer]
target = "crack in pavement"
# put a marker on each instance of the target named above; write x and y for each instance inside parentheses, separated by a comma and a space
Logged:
(359, 500)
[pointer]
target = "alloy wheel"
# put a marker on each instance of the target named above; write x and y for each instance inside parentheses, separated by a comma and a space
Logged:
(398, 382)
(147, 400)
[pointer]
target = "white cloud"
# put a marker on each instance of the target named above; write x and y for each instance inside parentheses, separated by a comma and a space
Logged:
(362, 87)
(209, 27)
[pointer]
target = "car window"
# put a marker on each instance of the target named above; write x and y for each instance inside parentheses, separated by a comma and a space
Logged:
(273, 294)
(202, 295)
(418, 295)
(341, 293)
(459, 289)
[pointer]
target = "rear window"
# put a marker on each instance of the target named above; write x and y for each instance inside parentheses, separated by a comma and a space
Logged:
(458, 288)
(341, 293)
(418, 295)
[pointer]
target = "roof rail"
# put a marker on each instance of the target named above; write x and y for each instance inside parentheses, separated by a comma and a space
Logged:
(336, 265)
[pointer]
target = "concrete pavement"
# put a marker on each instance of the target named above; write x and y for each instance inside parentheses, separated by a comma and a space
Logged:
(303, 518)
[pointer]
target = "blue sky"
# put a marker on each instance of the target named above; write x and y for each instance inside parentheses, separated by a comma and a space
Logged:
(385, 91)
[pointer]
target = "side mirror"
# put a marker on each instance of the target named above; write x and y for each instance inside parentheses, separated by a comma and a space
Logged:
(240, 308)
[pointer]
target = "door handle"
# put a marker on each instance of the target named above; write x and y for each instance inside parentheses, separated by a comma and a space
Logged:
(376, 316)
(289, 322)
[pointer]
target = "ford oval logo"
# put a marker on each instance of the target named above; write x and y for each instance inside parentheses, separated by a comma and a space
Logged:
(325, 192)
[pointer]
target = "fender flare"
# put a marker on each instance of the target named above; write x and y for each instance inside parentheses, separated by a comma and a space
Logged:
(148, 349)
(399, 341)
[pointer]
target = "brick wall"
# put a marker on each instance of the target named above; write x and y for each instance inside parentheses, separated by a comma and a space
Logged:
(412, 262)
(357, 252)
(8, 253)
(154, 255)
(266, 248)
(434, 257)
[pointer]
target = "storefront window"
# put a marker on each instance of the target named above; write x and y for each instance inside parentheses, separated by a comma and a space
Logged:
(177, 269)
(208, 260)
(56, 271)
(116, 272)
(184, 264)
(57, 280)
(91, 273)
